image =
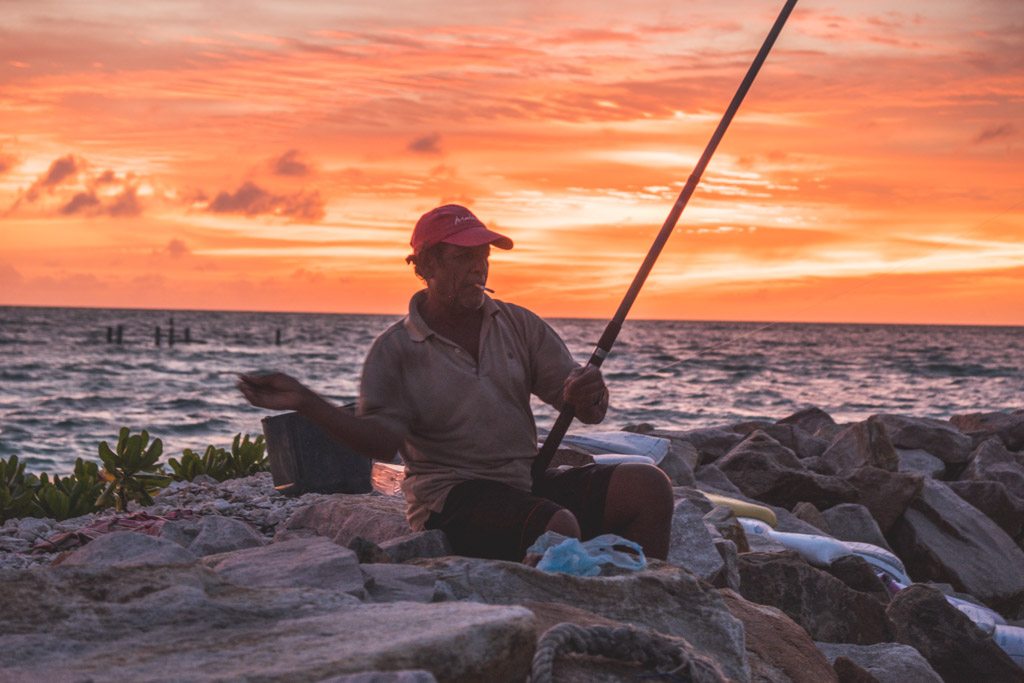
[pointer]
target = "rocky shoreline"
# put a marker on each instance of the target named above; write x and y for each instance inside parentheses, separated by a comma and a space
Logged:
(233, 581)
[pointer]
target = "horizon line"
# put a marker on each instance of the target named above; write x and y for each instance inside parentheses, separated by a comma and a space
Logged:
(548, 317)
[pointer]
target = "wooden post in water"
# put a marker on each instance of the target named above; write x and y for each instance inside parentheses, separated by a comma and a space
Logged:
(277, 337)
(156, 335)
(188, 336)
(170, 333)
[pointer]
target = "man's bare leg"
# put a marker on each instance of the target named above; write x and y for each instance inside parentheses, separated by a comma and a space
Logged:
(639, 507)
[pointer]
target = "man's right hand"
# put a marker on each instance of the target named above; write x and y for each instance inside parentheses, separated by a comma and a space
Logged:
(275, 391)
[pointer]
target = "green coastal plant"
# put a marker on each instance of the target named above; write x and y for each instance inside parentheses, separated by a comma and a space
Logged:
(131, 470)
(17, 489)
(245, 458)
(249, 457)
(214, 462)
(74, 495)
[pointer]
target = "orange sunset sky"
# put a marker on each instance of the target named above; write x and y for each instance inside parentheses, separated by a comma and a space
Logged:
(274, 155)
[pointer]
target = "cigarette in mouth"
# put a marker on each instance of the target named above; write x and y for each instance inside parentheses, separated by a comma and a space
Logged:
(486, 289)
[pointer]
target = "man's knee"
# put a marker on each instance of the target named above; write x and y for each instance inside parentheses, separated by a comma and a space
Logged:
(643, 479)
(565, 523)
(638, 485)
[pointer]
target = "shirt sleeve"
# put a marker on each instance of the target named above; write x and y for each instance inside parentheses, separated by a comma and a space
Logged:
(382, 393)
(550, 360)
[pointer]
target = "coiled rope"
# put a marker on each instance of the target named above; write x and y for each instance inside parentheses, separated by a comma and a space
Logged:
(668, 658)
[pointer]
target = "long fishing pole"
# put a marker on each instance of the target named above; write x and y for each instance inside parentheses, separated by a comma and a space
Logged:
(611, 332)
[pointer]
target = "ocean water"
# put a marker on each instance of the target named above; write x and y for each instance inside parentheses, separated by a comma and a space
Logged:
(63, 388)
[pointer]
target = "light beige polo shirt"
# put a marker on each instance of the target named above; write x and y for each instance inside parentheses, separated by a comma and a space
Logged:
(460, 419)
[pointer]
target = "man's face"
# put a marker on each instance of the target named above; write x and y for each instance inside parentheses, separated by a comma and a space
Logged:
(456, 275)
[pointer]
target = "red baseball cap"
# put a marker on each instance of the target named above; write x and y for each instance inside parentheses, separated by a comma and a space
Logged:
(453, 224)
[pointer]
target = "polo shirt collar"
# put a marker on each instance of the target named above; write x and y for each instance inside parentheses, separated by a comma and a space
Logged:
(417, 327)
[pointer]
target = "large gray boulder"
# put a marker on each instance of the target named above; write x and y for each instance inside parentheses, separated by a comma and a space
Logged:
(943, 538)
(343, 518)
(887, 662)
(778, 649)
(860, 444)
(885, 494)
(126, 549)
(812, 420)
(187, 624)
(711, 443)
(803, 444)
(690, 544)
(309, 562)
(1009, 427)
(938, 437)
(998, 504)
(921, 462)
(853, 522)
(432, 543)
(823, 605)
(992, 462)
(956, 649)
(764, 469)
(212, 534)
(663, 598)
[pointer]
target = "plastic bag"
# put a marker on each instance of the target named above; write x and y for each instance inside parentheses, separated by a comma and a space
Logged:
(561, 555)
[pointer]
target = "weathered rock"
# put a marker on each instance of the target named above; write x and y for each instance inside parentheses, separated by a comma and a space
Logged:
(710, 475)
(822, 604)
(343, 517)
(887, 662)
(766, 470)
(812, 516)
(850, 671)
(802, 444)
(920, 462)
(1009, 427)
(956, 649)
(32, 529)
(938, 437)
(853, 522)
(998, 504)
(156, 624)
(992, 462)
(778, 649)
(711, 443)
(885, 494)
(419, 676)
(212, 534)
(400, 583)
(122, 549)
(729, 577)
(367, 552)
(663, 598)
(856, 573)
(311, 562)
(690, 544)
(724, 522)
(679, 463)
(941, 537)
(810, 420)
(432, 543)
(864, 443)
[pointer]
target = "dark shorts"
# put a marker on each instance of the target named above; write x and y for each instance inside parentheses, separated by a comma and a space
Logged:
(495, 521)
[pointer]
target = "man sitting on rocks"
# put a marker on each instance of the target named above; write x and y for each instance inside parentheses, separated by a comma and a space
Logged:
(449, 388)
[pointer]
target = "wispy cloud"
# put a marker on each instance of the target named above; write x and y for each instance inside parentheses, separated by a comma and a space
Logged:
(290, 164)
(1004, 130)
(426, 144)
(252, 200)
